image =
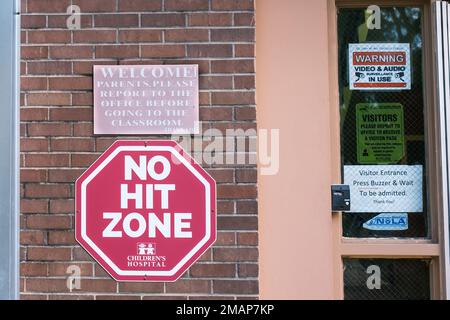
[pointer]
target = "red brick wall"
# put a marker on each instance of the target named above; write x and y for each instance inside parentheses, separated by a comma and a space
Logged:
(57, 141)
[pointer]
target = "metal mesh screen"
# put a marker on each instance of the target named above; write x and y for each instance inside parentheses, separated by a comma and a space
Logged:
(398, 25)
(386, 279)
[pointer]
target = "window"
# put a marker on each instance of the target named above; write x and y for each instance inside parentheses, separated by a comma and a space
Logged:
(383, 128)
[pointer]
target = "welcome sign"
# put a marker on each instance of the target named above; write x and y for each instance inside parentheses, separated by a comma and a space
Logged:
(148, 99)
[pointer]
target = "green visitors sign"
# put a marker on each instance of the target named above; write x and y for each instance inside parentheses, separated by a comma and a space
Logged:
(379, 133)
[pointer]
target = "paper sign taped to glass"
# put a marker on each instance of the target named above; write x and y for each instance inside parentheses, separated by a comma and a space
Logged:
(379, 133)
(379, 66)
(385, 188)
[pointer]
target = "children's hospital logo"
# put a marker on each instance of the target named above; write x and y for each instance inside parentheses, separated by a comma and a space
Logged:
(146, 249)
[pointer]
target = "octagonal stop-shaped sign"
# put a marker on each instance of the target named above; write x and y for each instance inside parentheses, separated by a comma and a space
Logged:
(145, 210)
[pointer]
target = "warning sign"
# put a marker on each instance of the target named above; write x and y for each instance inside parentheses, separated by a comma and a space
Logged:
(379, 66)
(379, 133)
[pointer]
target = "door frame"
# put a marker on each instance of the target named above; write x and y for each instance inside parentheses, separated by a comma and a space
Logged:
(389, 248)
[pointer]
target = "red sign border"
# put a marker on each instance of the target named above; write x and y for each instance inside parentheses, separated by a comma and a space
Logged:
(195, 165)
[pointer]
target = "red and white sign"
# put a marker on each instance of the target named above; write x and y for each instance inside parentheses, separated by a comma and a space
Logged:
(145, 210)
(379, 66)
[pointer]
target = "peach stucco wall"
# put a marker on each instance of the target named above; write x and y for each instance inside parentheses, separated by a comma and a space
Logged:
(296, 247)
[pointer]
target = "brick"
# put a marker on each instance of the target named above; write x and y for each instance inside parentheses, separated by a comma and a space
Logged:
(49, 36)
(232, 5)
(94, 36)
(32, 22)
(33, 206)
(244, 50)
(117, 297)
(215, 82)
(209, 50)
(247, 207)
(244, 19)
(24, 296)
(60, 21)
(237, 223)
(102, 144)
(61, 238)
(233, 98)
(216, 114)
(48, 99)
(46, 191)
(49, 67)
(245, 113)
(236, 191)
(47, 160)
(222, 175)
(203, 65)
(48, 222)
(233, 35)
(71, 114)
(140, 5)
(87, 6)
(116, 51)
(164, 298)
(248, 270)
(70, 297)
(46, 285)
(163, 51)
(225, 207)
(48, 254)
(33, 83)
(140, 35)
(83, 129)
(64, 175)
(211, 297)
(33, 269)
(186, 35)
(210, 19)
(71, 52)
(33, 144)
(87, 67)
(82, 99)
(70, 83)
(247, 238)
(62, 206)
(47, 6)
(213, 270)
(28, 237)
(100, 272)
(244, 82)
(225, 238)
(236, 286)
(186, 5)
(140, 287)
(189, 286)
(204, 99)
(33, 175)
(33, 52)
(99, 285)
(49, 129)
(158, 20)
(116, 20)
(83, 159)
(246, 175)
(72, 144)
(60, 269)
(235, 254)
(233, 66)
